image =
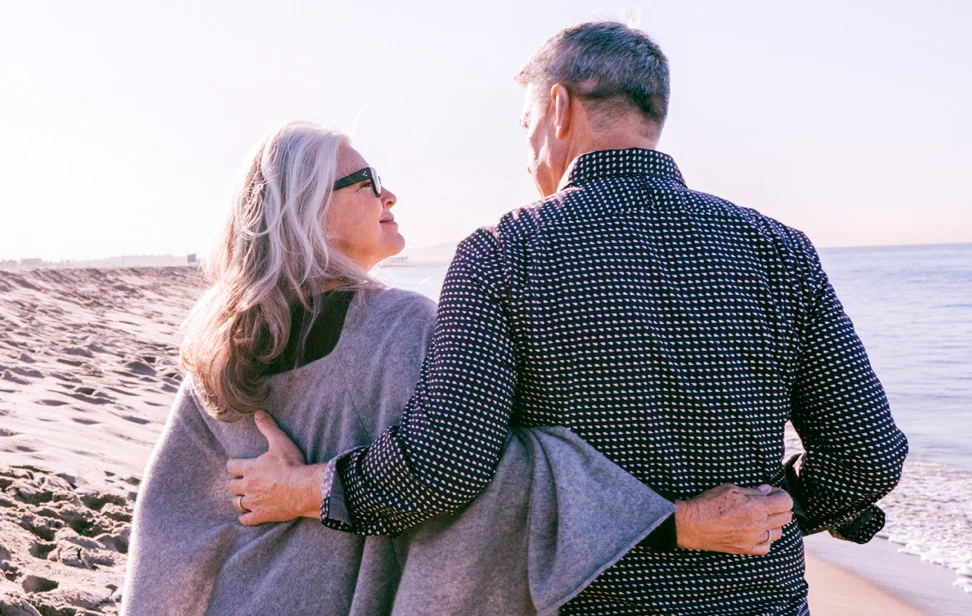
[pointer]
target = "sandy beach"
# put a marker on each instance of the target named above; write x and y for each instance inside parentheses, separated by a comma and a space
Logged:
(834, 591)
(87, 372)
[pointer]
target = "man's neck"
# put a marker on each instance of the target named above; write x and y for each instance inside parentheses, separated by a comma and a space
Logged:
(617, 140)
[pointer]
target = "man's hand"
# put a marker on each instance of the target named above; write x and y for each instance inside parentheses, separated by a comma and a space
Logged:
(733, 520)
(278, 486)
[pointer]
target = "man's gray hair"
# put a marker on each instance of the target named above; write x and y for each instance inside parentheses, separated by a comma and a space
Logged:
(604, 63)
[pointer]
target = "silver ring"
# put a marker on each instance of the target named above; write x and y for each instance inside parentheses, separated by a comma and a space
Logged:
(238, 503)
(769, 531)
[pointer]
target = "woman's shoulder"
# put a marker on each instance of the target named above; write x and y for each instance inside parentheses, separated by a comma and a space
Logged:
(399, 304)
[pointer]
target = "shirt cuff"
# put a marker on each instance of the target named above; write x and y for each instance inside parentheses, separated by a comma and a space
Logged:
(664, 537)
(334, 511)
(857, 527)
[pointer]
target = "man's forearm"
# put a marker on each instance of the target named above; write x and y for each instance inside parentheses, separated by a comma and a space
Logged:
(854, 450)
(857, 522)
(445, 451)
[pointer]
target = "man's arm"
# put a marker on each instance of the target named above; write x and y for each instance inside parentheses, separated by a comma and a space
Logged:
(854, 450)
(453, 428)
(446, 449)
(279, 487)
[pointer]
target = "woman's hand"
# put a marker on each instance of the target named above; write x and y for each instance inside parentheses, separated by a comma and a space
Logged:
(278, 486)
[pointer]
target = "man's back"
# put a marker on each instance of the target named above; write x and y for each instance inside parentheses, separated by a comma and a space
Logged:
(677, 334)
(667, 312)
(671, 330)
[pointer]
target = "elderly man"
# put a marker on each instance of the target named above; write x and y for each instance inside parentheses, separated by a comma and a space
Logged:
(674, 331)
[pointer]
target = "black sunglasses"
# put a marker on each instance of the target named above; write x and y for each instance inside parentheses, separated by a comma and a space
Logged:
(368, 173)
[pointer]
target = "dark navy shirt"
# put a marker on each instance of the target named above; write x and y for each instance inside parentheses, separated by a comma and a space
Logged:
(675, 332)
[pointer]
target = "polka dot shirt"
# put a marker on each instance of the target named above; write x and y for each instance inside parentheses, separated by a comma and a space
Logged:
(675, 332)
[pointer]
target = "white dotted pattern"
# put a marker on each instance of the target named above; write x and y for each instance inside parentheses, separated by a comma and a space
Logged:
(674, 331)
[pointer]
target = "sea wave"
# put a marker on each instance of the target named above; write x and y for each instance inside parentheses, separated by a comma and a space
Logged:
(929, 514)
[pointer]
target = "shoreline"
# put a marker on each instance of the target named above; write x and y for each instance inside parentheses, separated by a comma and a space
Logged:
(876, 578)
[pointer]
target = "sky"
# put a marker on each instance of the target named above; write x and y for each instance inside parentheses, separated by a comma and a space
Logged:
(123, 125)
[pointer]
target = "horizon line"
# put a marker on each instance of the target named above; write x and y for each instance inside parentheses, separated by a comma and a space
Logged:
(440, 244)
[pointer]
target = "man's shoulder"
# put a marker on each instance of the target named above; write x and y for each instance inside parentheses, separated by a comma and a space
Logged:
(520, 224)
(749, 221)
(524, 226)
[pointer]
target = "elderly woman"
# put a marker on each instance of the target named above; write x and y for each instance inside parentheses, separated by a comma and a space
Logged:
(294, 323)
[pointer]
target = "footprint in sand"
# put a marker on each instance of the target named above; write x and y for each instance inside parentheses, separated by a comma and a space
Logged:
(97, 399)
(79, 352)
(136, 420)
(64, 376)
(42, 528)
(97, 500)
(28, 372)
(122, 391)
(34, 583)
(9, 376)
(41, 549)
(140, 367)
(52, 402)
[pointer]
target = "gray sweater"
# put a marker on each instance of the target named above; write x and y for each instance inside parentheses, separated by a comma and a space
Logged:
(556, 514)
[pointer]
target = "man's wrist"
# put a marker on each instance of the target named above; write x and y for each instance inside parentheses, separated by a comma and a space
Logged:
(683, 519)
(308, 489)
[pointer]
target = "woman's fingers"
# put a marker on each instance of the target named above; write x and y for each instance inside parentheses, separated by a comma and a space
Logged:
(779, 520)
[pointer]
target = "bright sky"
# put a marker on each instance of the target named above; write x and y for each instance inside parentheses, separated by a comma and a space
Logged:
(123, 124)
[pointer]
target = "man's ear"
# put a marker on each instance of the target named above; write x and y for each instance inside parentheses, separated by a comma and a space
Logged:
(560, 99)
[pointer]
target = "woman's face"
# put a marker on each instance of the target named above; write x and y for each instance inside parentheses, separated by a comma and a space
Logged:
(359, 224)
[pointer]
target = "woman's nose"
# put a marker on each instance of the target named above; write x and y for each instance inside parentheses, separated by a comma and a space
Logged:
(388, 198)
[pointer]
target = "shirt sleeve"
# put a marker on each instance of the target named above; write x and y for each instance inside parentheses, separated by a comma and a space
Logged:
(448, 444)
(854, 452)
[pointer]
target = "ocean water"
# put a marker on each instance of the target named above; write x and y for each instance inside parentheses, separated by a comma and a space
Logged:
(912, 307)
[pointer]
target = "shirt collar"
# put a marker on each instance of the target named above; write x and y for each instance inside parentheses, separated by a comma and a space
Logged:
(620, 163)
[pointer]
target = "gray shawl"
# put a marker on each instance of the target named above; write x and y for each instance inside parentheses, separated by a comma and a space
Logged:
(556, 514)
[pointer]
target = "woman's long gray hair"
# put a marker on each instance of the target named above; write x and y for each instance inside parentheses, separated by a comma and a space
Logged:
(272, 254)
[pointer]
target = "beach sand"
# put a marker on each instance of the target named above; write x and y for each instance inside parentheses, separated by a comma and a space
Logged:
(836, 592)
(87, 373)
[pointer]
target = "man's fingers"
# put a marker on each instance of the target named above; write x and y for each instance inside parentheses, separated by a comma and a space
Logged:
(249, 519)
(238, 466)
(277, 439)
(268, 427)
(236, 486)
